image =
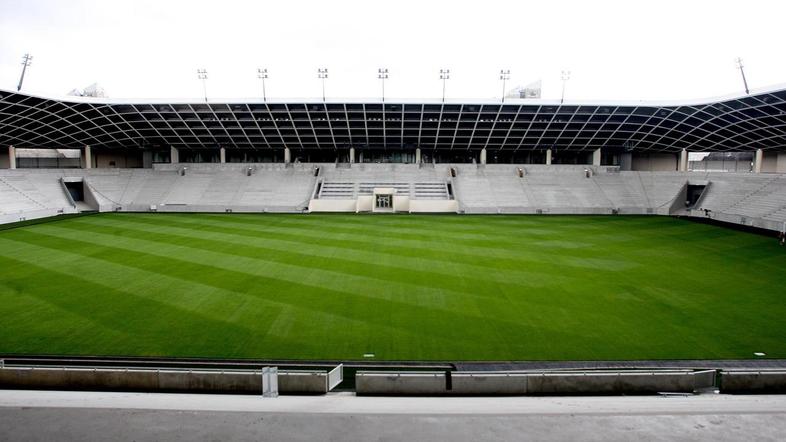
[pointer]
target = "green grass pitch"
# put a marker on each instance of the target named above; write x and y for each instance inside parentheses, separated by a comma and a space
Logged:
(402, 287)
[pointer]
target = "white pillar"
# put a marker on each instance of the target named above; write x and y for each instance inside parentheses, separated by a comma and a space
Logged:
(483, 156)
(780, 165)
(351, 155)
(174, 155)
(87, 158)
(757, 161)
(222, 155)
(683, 161)
(287, 155)
(548, 156)
(417, 156)
(11, 157)
(596, 157)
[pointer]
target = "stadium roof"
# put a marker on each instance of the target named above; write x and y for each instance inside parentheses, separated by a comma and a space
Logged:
(734, 123)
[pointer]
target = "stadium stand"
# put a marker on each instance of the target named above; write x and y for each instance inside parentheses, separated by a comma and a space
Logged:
(743, 198)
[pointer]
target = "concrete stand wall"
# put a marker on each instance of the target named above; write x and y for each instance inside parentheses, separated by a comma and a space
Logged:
(773, 381)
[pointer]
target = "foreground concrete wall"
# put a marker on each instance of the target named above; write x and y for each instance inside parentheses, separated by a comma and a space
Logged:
(131, 380)
(753, 381)
(317, 205)
(302, 382)
(528, 383)
(4, 162)
(433, 206)
(769, 162)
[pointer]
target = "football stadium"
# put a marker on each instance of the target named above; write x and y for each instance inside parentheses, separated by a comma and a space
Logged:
(371, 232)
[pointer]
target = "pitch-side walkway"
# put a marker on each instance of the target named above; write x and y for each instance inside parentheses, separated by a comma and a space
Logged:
(55, 415)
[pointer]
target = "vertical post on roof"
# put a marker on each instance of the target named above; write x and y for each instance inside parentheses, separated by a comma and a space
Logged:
(444, 75)
(504, 75)
(742, 72)
(222, 155)
(202, 75)
(26, 60)
(382, 74)
(262, 75)
(322, 74)
(11, 157)
(565, 77)
(548, 157)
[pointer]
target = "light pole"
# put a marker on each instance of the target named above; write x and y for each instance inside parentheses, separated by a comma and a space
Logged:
(565, 77)
(26, 60)
(322, 73)
(202, 75)
(742, 71)
(262, 75)
(504, 75)
(382, 74)
(444, 75)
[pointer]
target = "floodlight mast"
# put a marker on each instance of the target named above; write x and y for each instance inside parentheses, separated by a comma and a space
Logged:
(262, 75)
(742, 71)
(444, 75)
(504, 75)
(382, 74)
(565, 76)
(26, 60)
(322, 73)
(202, 75)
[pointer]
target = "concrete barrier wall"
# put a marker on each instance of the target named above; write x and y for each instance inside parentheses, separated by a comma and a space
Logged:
(400, 383)
(302, 382)
(773, 381)
(521, 383)
(132, 380)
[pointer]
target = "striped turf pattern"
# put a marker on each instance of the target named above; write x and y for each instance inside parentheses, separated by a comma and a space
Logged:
(401, 287)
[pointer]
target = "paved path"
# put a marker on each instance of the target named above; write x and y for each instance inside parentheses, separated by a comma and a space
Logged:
(53, 415)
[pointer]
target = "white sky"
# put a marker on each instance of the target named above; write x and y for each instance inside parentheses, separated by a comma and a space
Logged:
(626, 49)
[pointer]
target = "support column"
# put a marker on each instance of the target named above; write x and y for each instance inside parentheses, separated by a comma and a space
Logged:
(351, 155)
(11, 157)
(222, 155)
(147, 159)
(87, 158)
(174, 155)
(287, 155)
(548, 157)
(417, 156)
(683, 166)
(757, 161)
(626, 161)
(483, 156)
(596, 157)
(780, 164)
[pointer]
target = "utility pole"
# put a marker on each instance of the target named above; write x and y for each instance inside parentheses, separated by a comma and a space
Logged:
(382, 74)
(26, 60)
(262, 75)
(444, 75)
(504, 75)
(202, 75)
(565, 77)
(322, 73)
(742, 71)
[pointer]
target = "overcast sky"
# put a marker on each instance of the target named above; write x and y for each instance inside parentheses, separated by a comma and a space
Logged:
(625, 49)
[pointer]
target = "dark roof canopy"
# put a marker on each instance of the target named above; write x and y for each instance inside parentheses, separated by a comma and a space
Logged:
(743, 123)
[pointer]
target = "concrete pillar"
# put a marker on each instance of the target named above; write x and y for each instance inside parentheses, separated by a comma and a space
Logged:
(174, 155)
(11, 157)
(683, 164)
(626, 161)
(222, 155)
(287, 155)
(360, 157)
(87, 158)
(351, 155)
(780, 165)
(147, 159)
(417, 156)
(483, 156)
(757, 161)
(596, 157)
(548, 156)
